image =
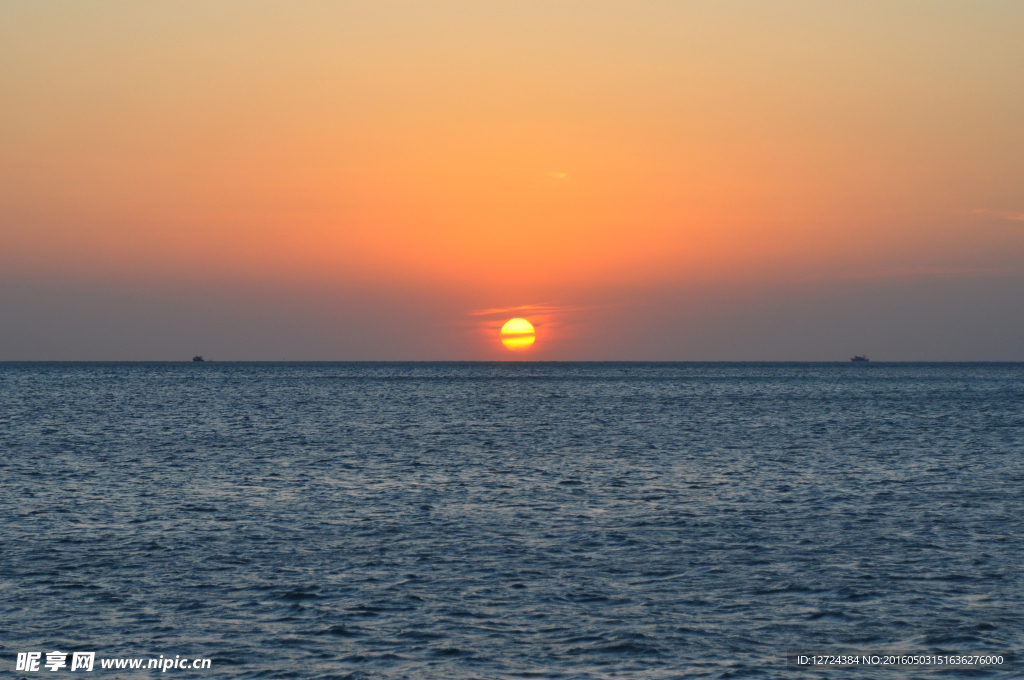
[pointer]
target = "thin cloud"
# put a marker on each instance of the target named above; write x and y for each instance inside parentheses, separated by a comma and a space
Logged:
(1001, 214)
(932, 272)
(536, 309)
(548, 317)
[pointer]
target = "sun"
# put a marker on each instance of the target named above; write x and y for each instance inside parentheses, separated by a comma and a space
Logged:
(517, 334)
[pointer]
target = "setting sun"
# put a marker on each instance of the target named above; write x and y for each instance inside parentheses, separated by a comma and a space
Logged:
(517, 334)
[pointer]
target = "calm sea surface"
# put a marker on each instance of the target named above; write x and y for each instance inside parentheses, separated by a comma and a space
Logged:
(510, 520)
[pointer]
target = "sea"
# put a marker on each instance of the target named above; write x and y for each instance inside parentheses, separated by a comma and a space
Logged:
(511, 520)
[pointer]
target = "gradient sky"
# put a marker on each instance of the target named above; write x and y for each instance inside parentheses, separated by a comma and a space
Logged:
(394, 180)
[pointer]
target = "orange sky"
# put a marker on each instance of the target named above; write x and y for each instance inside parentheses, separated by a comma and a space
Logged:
(568, 155)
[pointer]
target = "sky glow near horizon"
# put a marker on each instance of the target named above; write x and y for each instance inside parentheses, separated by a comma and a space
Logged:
(658, 180)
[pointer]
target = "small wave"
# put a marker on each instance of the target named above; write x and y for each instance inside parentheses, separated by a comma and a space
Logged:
(338, 630)
(296, 595)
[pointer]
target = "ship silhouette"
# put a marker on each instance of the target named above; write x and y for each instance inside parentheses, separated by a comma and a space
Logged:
(859, 358)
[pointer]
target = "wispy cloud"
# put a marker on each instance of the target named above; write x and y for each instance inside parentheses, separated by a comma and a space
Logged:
(549, 317)
(533, 309)
(931, 272)
(1001, 214)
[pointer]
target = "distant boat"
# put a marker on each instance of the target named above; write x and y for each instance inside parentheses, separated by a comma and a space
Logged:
(198, 358)
(857, 359)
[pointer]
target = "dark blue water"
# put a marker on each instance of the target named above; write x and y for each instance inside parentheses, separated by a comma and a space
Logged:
(509, 520)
